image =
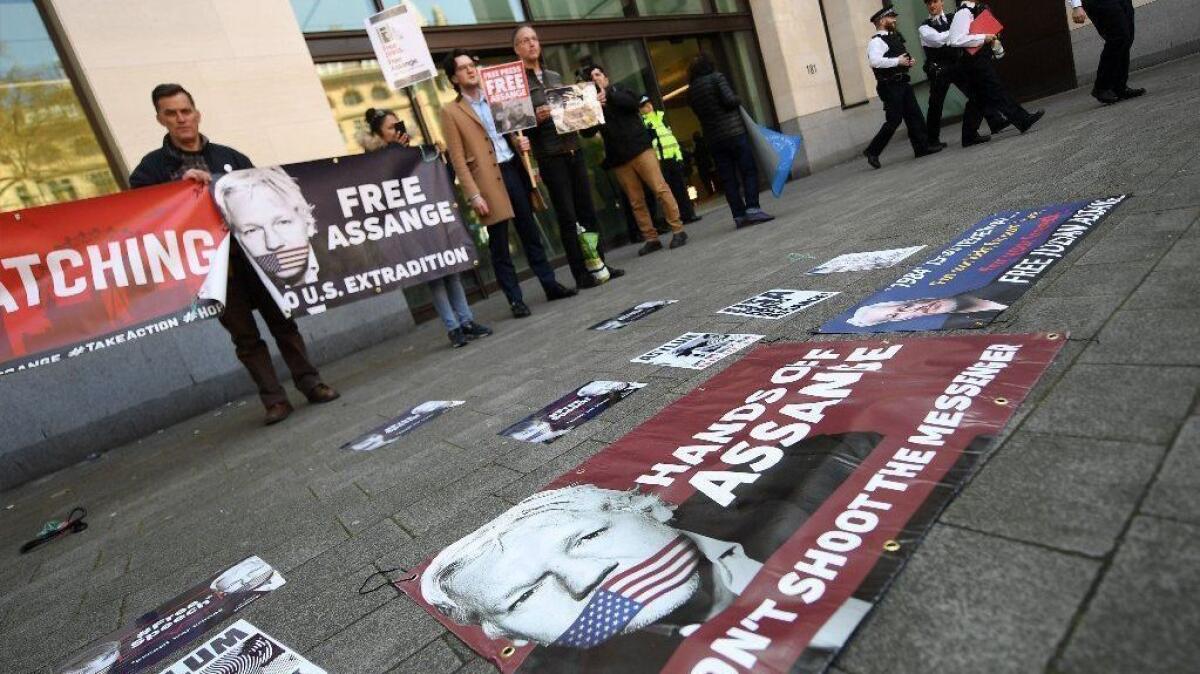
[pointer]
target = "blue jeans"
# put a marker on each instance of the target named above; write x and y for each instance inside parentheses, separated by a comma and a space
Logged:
(450, 301)
(738, 172)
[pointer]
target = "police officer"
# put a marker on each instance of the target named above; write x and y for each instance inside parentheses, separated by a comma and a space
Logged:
(943, 66)
(986, 89)
(670, 157)
(890, 62)
(1114, 21)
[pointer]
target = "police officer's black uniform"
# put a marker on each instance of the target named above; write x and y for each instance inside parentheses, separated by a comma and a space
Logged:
(896, 93)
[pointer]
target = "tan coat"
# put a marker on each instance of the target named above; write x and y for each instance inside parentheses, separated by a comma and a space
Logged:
(474, 160)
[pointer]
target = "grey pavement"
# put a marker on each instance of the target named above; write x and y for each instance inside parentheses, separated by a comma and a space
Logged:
(1074, 548)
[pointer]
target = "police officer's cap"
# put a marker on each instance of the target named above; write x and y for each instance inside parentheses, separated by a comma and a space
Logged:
(886, 11)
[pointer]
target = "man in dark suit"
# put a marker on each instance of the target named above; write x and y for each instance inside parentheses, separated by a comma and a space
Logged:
(1114, 20)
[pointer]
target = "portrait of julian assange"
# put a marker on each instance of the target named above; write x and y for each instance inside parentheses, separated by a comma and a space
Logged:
(273, 222)
(606, 580)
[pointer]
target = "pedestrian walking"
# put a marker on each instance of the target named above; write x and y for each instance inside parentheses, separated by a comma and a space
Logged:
(944, 67)
(987, 91)
(494, 181)
(188, 155)
(628, 153)
(561, 163)
(890, 62)
(447, 293)
(670, 157)
(719, 110)
(1114, 20)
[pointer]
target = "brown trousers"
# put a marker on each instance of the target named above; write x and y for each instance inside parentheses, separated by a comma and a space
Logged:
(644, 168)
(245, 294)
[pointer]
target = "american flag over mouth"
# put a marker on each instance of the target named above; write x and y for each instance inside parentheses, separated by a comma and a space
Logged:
(287, 260)
(621, 597)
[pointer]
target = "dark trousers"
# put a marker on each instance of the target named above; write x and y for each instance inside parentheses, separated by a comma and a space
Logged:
(738, 172)
(899, 105)
(986, 91)
(1113, 19)
(939, 86)
(245, 294)
(673, 173)
(570, 189)
(527, 232)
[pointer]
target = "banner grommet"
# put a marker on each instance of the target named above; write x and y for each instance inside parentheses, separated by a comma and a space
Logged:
(891, 546)
(507, 652)
(1053, 336)
(1002, 401)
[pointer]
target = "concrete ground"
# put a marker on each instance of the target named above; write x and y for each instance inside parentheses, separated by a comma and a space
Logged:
(1076, 548)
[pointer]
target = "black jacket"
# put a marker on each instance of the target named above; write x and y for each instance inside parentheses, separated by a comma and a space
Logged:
(166, 163)
(544, 137)
(625, 135)
(716, 106)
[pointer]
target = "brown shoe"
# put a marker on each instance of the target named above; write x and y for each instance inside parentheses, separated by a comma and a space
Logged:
(277, 413)
(322, 393)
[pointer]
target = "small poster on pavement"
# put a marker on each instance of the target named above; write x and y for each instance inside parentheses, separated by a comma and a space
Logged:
(242, 648)
(507, 92)
(776, 304)
(868, 261)
(570, 411)
(575, 107)
(400, 426)
(634, 313)
(696, 350)
(400, 46)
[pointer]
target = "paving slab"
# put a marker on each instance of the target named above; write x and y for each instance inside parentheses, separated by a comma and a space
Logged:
(1175, 493)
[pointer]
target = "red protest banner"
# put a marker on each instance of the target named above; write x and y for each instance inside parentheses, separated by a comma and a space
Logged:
(95, 273)
(749, 526)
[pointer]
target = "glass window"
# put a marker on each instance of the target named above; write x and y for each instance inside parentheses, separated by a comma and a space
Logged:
(664, 7)
(344, 81)
(731, 6)
(464, 12)
(577, 9)
(315, 16)
(746, 75)
(47, 138)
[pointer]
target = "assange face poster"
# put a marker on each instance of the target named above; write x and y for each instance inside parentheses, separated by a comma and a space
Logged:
(696, 350)
(507, 92)
(570, 411)
(400, 426)
(400, 47)
(156, 635)
(749, 526)
(98, 273)
(868, 261)
(776, 304)
(631, 315)
(575, 107)
(973, 280)
(242, 648)
(329, 232)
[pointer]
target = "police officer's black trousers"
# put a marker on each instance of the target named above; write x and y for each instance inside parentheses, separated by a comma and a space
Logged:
(988, 93)
(939, 86)
(1114, 21)
(899, 105)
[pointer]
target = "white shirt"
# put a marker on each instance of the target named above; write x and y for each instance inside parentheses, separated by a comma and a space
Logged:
(876, 50)
(960, 28)
(932, 37)
(484, 112)
(1075, 3)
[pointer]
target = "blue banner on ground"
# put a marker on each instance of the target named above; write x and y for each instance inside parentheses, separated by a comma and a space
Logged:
(973, 280)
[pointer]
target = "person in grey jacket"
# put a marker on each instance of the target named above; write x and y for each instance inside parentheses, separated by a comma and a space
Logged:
(719, 110)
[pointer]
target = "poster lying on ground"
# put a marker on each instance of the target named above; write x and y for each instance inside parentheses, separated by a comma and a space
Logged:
(868, 261)
(98, 273)
(329, 232)
(776, 304)
(398, 427)
(154, 636)
(400, 46)
(575, 107)
(507, 90)
(632, 314)
(570, 411)
(977, 277)
(696, 350)
(242, 648)
(749, 526)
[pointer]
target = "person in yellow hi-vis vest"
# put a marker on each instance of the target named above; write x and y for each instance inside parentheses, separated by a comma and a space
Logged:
(670, 157)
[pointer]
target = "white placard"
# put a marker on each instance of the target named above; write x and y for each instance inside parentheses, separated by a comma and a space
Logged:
(400, 47)
(875, 259)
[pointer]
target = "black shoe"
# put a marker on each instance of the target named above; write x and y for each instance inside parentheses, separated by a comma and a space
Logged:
(932, 149)
(872, 159)
(694, 218)
(472, 330)
(1105, 96)
(757, 215)
(1128, 93)
(743, 222)
(457, 338)
(613, 272)
(1000, 127)
(938, 144)
(650, 247)
(585, 282)
(559, 291)
(519, 309)
(976, 140)
(678, 240)
(1030, 121)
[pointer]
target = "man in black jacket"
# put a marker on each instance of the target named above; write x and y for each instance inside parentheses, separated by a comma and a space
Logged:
(186, 154)
(627, 151)
(719, 110)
